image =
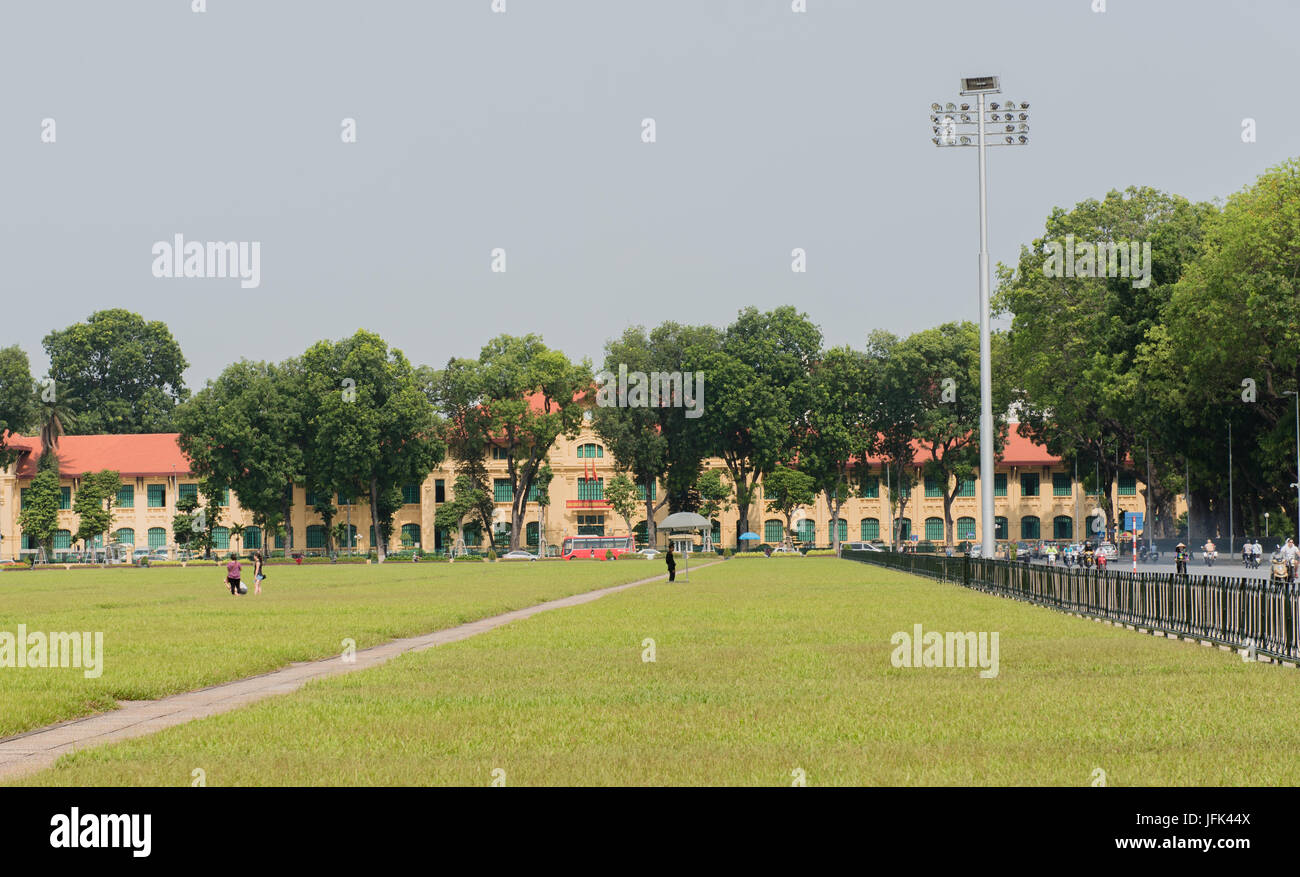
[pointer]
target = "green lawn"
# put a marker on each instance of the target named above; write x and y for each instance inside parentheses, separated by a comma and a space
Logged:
(170, 630)
(763, 668)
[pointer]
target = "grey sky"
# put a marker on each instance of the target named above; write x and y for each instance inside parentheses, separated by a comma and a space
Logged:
(477, 130)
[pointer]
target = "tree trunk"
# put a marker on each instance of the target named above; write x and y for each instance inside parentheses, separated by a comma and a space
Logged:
(381, 548)
(288, 521)
(947, 516)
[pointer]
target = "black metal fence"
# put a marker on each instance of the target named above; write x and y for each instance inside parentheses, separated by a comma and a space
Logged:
(1238, 612)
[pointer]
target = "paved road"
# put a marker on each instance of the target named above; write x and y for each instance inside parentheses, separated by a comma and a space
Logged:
(1222, 567)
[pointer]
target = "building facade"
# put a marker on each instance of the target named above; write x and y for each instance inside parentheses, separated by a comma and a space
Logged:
(1036, 496)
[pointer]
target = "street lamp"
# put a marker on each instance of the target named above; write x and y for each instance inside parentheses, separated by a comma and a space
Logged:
(1297, 455)
(1001, 124)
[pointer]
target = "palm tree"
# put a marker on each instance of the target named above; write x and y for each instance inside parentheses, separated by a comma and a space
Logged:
(54, 414)
(237, 531)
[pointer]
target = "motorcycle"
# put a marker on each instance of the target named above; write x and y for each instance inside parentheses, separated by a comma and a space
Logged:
(1210, 557)
(1279, 572)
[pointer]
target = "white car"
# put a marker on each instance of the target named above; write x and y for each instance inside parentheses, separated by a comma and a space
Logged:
(860, 546)
(782, 549)
(650, 553)
(1107, 549)
(519, 555)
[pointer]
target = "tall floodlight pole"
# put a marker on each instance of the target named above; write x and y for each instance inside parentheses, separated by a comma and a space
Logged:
(1000, 125)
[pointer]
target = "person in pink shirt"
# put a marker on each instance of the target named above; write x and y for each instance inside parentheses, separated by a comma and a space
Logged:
(233, 570)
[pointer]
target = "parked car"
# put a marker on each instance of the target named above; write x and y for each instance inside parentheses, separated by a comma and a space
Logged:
(159, 554)
(519, 555)
(651, 553)
(859, 546)
(783, 549)
(139, 554)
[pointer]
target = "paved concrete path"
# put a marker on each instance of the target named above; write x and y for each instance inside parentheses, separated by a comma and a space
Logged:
(38, 749)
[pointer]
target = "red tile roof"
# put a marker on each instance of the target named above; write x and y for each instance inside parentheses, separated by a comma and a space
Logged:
(133, 456)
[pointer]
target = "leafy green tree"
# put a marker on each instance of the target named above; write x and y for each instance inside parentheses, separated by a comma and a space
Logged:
(471, 497)
(247, 429)
(758, 395)
(896, 412)
(943, 367)
(17, 411)
(1075, 343)
(520, 396)
(715, 497)
(370, 422)
(839, 434)
(621, 494)
(213, 491)
(127, 372)
(654, 443)
(40, 517)
(94, 504)
(542, 490)
(787, 489)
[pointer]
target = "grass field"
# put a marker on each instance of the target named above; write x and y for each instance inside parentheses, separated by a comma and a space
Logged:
(762, 669)
(172, 630)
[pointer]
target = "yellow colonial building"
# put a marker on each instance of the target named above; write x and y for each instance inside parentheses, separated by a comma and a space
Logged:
(1035, 497)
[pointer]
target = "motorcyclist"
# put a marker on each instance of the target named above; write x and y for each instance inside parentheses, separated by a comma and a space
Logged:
(1210, 552)
(1258, 551)
(1290, 554)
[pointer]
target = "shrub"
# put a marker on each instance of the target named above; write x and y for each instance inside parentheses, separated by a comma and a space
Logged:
(470, 558)
(491, 555)
(820, 552)
(632, 555)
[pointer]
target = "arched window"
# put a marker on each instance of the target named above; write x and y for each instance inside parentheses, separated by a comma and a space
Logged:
(934, 529)
(1063, 527)
(640, 533)
(773, 530)
(806, 530)
(965, 529)
(715, 531)
(841, 529)
(999, 527)
(221, 537)
(1029, 527)
(501, 533)
(157, 537)
(411, 535)
(126, 536)
(62, 540)
(315, 536)
(474, 533)
(870, 529)
(532, 534)
(591, 451)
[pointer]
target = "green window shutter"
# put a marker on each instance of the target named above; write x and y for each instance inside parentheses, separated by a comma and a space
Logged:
(1029, 527)
(221, 537)
(65, 497)
(842, 529)
(932, 487)
(999, 484)
(411, 534)
(966, 487)
(253, 538)
(126, 498)
(1063, 527)
(315, 536)
(62, 539)
(501, 491)
(772, 531)
(870, 529)
(22, 498)
(411, 494)
(1029, 484)
(188, 491)
(157, 496)
(806, 530)
(1128, 485)
(904, 528)
(871, 487)
(126, 536)
(965, 528)
(533, 493)
(934, 529)
(1062, 484)
(310, 499)
(157, 537)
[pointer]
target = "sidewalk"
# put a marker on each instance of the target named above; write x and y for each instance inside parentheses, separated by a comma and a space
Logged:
(38, 749)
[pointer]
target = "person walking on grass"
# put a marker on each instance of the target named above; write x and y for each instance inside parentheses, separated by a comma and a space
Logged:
(672, 563)
(233, 570)
(257, 572)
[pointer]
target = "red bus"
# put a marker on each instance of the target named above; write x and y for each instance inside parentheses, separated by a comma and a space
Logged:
(587, 546)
